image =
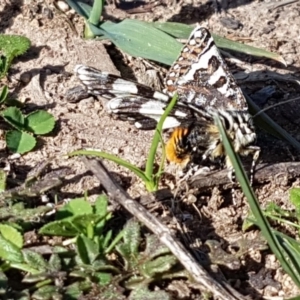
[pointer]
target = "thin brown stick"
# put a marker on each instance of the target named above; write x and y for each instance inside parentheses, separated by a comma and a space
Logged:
(273, 6)
(199, 274)
(263, 173)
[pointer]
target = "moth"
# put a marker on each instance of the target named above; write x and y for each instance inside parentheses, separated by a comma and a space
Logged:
(205, 88)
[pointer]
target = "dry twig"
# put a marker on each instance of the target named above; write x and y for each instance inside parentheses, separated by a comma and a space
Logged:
(263, 173)
(199, 274)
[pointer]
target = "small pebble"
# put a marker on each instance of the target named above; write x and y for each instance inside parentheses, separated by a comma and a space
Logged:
(25, 77)
(192, 198)
(63, 6)
(48, 72)
(48, 13)
(35, 23)
(15, 156)
(115, 151)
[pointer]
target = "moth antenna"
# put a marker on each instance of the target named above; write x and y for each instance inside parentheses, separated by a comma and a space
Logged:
(272, 106)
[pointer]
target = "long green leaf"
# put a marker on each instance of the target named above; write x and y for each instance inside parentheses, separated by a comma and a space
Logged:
(157, 137)
(113, 158)
(96, 12)
(141, 39)
(3, 94)
(262, 222)
(81, 8)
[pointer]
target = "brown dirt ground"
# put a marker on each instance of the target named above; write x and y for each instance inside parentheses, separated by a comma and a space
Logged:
(57, 47)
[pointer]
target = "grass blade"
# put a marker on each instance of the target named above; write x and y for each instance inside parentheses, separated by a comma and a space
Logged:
(277, 249)
(138, 172)
(96, 12)
(157, 137)
(81, 8)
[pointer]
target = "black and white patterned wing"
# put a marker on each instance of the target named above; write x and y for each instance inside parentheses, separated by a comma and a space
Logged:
(201, 77)
(107, 85)
(132, 101)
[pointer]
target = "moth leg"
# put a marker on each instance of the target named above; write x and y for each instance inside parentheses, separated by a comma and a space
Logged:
(191, 170)
(255, 151)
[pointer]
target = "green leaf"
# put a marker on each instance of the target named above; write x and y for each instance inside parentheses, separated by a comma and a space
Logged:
(177, 30)
(77, 206)
(152, 185)
(159, 265)
(40, 122)
(227, 44)
(141, 39)
(103, 278)
(96, 12)
(295, 198)
(14, 44)
(9, 251)
(132, 236)
(129, 248)
(12, 235)
(47, 292)
(60, 228)
(19, 142)
(14, 117)
(35, 260)
(142, 292)
(74, 290)
(136, 38)
(3, 177)
(154, 247)
(81, 8)
(54, 263)
(138, 172)
(11, 46)
(3, 94)
(273, 209)
(82, 221)
(24, 267)
(87, 249)
(106, 239)
(101, 206)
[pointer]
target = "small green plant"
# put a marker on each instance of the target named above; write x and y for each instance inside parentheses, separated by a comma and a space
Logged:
(39, 122)
(10, 47)
(111, 261)
(22, 139)
(150, 178)
(88, 263)
(152, 264)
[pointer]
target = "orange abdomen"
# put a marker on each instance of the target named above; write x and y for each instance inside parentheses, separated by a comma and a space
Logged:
(177, 148)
